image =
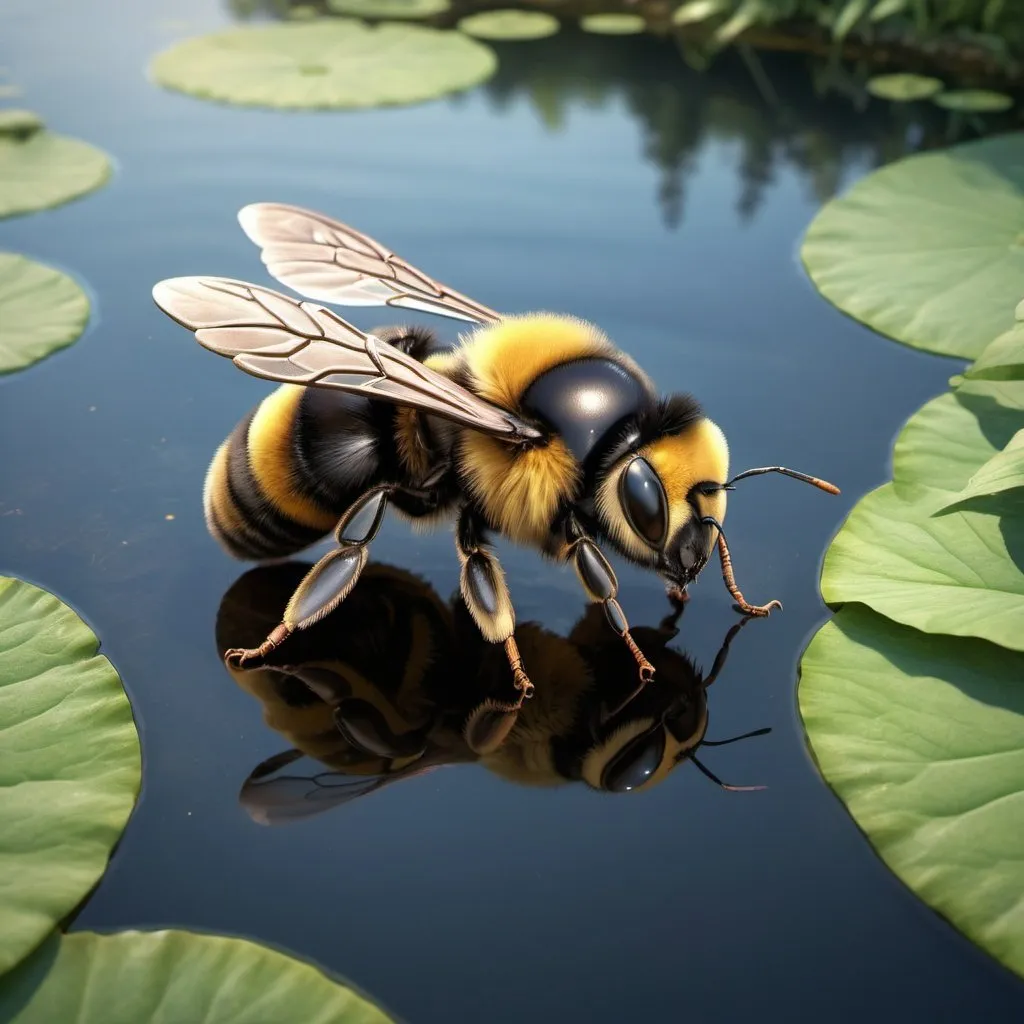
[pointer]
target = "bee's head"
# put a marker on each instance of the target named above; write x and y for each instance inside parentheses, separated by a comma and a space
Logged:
(659, 498)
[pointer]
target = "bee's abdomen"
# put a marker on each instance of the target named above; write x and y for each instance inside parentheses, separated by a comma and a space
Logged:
(260, 498)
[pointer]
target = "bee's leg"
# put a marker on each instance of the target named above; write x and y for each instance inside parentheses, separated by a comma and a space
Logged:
(598, 579)
(483, 589)
(329, 582)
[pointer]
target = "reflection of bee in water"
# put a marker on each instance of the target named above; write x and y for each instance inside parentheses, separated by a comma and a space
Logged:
(382, 689)
(535, 427)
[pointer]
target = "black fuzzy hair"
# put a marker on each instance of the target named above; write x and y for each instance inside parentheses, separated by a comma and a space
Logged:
(671, 415)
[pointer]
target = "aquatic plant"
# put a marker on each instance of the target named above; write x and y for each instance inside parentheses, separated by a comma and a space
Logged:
(336, 63)
(41, 311)
(69, 778)
(912, 695)
(40, 169)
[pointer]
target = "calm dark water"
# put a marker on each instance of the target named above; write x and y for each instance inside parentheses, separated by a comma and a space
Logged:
(593, 176)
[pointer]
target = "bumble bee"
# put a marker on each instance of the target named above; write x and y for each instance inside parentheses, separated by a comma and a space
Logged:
(534, 427)
(396, 682)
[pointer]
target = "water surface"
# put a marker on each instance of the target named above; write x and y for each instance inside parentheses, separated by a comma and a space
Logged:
(594, 176)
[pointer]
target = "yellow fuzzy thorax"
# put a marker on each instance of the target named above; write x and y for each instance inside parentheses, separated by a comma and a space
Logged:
(505, 359)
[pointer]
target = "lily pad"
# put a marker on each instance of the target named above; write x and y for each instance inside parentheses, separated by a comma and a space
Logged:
(1003, 472)
(922, 738)
(930, 249)
(959, 573)
(903, 88)
(19, 123)
(70, 769)
(510, 25)
(613, 24)
(41, 311)
(173, 977)
(46, 170)
(1003, 359)
(336, 63)
(974, 101)
(389, 9)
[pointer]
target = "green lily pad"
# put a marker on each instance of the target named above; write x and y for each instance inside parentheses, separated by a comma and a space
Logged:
(950, 438)
(303, 12)
(613, 24)
(173, 977)
(510, 25)
(41, 311)
(336, 63)
(1002, 359)
(70, 769)
(959, 573)
(699, 10)
(928, 250)
(903, 88)
(1003, 472)
(974, 101)
(389, 9)
(19, 123)
(1007, 393)
(46, 170)
(922, 737)
(956, 574)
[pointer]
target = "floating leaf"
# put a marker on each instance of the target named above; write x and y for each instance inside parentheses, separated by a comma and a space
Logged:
(333, 63)
(613, 24)
(70, 769)
(954, 574)
(928, 250)
(959, 573)
(948, 440)
(922, 737)
(699, 10)
(974, 101)
(903, 88)
(389, 9)
(1002, 359)
(46, 170)
(509, 25)
(41, 311)
(1003, 472)
(19, 123)
(173, 977)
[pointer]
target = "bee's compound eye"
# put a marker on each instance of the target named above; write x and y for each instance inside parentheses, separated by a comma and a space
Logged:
(643, 501)
(634, 764)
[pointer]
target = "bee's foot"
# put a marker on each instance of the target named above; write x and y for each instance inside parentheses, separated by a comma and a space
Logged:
(244, 657)
(757, 610)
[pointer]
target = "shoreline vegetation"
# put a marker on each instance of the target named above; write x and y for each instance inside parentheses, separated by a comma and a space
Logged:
(981, 41)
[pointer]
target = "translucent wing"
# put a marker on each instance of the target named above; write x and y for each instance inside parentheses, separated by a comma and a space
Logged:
(273, 336)
(327, 260)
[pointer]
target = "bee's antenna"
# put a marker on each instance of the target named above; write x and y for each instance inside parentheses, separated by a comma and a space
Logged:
(745, 736)
(815, 481)
(730, 580)
(714, 778)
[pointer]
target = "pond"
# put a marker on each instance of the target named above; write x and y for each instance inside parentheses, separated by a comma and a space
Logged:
(596, 176)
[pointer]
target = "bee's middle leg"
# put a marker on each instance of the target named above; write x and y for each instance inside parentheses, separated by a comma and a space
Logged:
(598, 579)
(483, 587)
(330, 581)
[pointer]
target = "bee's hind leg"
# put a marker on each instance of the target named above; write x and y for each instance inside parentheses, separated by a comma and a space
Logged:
(598, 579)
(329, 582)
(486, 595)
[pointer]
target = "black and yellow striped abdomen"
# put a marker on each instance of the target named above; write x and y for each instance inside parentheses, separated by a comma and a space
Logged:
(289, 469)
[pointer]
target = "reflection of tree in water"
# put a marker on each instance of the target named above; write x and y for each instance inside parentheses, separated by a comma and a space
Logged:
(778, 110)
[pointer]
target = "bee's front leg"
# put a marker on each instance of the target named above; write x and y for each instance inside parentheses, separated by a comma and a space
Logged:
(329, 582)
(598, 579)
(483, 587)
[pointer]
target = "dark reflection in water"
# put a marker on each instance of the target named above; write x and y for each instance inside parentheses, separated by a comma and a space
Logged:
(456, 896)
(396, 682)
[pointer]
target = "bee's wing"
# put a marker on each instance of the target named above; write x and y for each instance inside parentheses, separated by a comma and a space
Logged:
(327, 260)
(273, 336)
(271, 795)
